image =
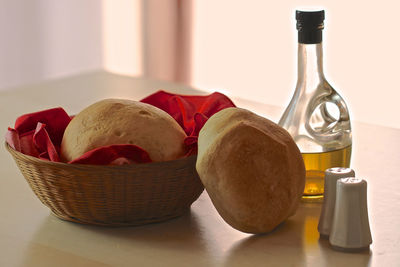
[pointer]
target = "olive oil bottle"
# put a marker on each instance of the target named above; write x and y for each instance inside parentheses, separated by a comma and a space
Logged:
(317, 116)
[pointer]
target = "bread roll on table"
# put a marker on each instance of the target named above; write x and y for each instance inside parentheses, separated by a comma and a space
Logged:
(251, 168)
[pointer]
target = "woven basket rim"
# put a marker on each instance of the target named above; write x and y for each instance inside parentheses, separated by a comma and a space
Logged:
(110, 167)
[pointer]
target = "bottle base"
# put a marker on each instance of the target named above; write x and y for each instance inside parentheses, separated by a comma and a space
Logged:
(312, 199)
(314, 187)
(316, 164)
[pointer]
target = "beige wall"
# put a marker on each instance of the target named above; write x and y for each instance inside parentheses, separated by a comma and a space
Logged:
(242, 48)
(122, 36)
(248, 49)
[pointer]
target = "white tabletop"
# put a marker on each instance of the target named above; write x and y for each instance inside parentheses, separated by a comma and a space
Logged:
(31, 236)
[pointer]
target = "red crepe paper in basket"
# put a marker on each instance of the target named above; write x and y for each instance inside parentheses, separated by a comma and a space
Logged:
(40, 134)
(191, 112)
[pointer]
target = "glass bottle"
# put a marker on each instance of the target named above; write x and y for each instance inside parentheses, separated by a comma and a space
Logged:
(317, 116)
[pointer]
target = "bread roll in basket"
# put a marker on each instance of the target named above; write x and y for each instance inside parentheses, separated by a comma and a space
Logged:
(109, 194)
(115, 195)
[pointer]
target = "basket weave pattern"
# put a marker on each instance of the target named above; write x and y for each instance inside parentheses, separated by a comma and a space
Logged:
(124, 195)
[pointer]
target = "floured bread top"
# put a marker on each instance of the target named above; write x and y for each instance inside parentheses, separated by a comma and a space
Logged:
(122, 121)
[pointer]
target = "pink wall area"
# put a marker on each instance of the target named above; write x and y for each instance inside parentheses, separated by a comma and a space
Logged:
(44, 39)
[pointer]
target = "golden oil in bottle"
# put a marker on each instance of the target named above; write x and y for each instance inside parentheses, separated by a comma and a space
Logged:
(316, 164)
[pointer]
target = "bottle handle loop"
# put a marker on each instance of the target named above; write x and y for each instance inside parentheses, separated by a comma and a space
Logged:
(327, 115)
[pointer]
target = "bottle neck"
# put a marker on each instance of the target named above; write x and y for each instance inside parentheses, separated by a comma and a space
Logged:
(310, 71)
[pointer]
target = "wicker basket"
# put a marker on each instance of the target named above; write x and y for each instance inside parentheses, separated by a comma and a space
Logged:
(124, 195)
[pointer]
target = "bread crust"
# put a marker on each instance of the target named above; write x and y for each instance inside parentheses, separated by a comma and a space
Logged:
(123, 121)
(251, 168)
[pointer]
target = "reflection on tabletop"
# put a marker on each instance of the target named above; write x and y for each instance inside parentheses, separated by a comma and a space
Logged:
(200, 231)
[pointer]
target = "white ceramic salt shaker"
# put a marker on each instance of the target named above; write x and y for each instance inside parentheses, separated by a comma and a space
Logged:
(350, 227)
(328, 207)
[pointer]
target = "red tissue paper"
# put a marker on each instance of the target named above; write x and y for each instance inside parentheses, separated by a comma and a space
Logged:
(40, 134)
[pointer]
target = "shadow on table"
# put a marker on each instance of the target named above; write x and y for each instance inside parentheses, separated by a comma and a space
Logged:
(295, 242)
(282, 247)
(184, 231)
(134, 244)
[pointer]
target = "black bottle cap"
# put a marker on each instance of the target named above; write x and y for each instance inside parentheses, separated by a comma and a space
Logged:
(309, 26)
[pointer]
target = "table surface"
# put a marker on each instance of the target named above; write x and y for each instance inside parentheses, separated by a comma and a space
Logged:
(31, 236)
